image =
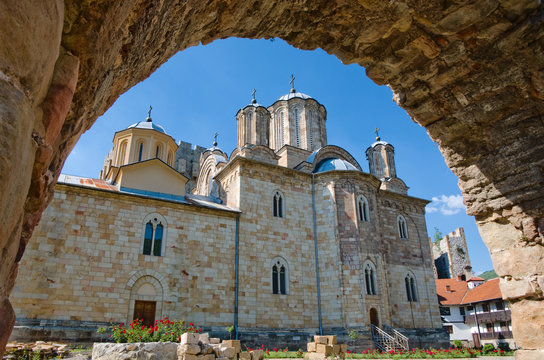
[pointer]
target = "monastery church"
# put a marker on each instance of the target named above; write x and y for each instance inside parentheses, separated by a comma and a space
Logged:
(287, 234)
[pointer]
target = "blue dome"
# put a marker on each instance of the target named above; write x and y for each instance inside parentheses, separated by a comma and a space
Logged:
(147, 125)
(334, 164)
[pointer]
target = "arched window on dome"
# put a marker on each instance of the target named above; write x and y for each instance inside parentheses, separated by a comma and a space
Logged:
(411, 287)
(158, 151)
(362, 209)
(402, 228)
(278, 205)
(370, 278)
(140, 151)
(154, 235)
(169, 159)
(297, 127)
(122, 153)
(280, 276)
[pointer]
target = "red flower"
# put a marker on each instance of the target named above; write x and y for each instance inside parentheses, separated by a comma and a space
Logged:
(275, 350)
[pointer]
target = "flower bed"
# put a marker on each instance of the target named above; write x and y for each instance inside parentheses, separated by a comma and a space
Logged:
(425, 354)
(162, 331)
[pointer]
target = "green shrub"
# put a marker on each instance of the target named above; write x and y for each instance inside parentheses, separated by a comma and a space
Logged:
(458, 344)
(504, 346)
(488, 348)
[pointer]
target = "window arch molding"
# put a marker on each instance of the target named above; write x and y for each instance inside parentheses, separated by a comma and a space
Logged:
(122, 153)
(140, 150)
(402, 227)
(410, 285)
(154, 235)
(279, 271)
(371, 284)
(363, 209)
(158, 150)
(278, 204)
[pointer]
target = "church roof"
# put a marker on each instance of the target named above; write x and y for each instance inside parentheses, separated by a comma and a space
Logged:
(332, 164)
(147, 125)
(380, 142)
(292, 95)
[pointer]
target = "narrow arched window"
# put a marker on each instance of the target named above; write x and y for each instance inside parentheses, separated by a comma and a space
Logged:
(411, 288)
(169, 159)
(157, 151)
(140, 151)
(362, 209)
(370, 279)
(153, 236)
(297, 128)
(402, 228)
(280, 277)
(277, 205)
(122, 153)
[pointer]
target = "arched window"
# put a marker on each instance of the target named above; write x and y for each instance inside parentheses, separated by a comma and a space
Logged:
(280, 276)
(122, 153)
(403, 230)
(158, 151)
(297, 128)
(169, 159)
(362, 209)
(411, 288)
(140, 151)
(370, 279)
(277, 205)
(154, 230)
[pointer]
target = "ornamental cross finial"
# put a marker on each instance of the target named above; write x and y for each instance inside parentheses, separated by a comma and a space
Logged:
(292, 82)
(149, 111)
(376, 132)
(215, 139)
(253, 94)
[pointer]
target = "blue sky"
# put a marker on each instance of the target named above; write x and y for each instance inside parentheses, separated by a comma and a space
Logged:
(198, 92)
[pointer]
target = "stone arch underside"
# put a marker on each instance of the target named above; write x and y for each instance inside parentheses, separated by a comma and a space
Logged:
(471, 72)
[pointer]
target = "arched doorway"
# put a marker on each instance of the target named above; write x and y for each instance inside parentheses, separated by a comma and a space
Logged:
(374, 320)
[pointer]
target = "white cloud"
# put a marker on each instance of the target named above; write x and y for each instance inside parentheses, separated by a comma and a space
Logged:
(446, 204)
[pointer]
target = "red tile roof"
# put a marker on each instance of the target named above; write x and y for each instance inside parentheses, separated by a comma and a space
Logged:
(487, 291)
(476, 278)
(455, 294)
(459, 293)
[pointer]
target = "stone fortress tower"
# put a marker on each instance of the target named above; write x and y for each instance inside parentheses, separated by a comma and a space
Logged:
(450, 255)
(288, 225)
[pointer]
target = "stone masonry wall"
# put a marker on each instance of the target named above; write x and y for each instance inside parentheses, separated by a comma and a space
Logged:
(470, 72)
(86, 255)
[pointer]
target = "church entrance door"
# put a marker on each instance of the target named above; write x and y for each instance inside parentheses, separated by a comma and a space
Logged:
(145, 310)
(374, 317)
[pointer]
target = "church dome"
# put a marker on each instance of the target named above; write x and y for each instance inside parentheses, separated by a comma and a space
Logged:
(332, 164)
(147, 125)
(292, 95)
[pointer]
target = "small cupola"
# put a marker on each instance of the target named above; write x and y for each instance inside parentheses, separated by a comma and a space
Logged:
(253, 124)
(381, 162)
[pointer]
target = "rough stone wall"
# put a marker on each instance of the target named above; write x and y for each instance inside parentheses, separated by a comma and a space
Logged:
(187, 162)
(451, 257)
(470, 72)
(86, 256)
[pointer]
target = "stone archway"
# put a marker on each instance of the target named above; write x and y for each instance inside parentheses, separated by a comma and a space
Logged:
(471, 72)
(373, 316)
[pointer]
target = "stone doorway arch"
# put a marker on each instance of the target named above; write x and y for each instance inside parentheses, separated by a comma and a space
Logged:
(374, 318)
(471, 72)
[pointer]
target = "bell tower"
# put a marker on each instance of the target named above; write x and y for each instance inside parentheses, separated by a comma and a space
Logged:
(381, 159)
(253, 124)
